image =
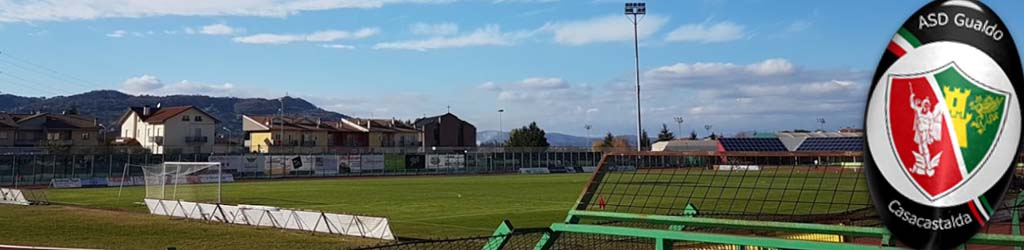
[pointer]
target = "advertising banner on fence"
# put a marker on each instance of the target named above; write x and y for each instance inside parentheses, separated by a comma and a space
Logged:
(129, 181)
(66, 183)
(350, 163)
(413, 161)
(279, 164)
(372, 163)
(445, 161)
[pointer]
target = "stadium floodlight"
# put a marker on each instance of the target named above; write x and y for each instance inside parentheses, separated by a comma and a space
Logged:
(679, 122)
(636, 8)
(636, 11)
(500, 129)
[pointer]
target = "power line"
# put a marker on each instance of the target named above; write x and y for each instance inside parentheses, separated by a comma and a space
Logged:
(42, 89)
(73, 79)
(45, 74)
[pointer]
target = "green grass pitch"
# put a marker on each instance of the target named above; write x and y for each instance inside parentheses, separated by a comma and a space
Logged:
(419, 207)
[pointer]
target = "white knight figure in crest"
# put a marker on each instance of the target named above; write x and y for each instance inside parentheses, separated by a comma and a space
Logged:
(927, 130)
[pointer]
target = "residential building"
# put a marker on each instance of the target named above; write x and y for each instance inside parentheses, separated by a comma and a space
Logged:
(275, 134)
(446, 130)
(68, 130)
(170, 130)
(348, 135)
(388, 133)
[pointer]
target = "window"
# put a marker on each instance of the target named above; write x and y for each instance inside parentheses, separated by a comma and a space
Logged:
(52, 136)
(198, 118)
(184, 118)
(85, 136)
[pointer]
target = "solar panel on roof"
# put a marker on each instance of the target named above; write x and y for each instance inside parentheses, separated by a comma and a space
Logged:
(832, 144)
(753, 144)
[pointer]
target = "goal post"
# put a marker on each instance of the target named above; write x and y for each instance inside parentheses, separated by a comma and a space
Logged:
(189, 181)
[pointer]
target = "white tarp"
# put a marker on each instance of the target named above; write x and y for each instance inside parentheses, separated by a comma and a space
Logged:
(343, 224)
(13, 196)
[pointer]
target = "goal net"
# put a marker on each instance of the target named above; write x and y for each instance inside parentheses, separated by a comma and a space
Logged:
(184, 181)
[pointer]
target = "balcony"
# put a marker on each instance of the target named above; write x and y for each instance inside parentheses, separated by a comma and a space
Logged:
(196, 139)
(309, 143)
(159, 140)
(59, 142)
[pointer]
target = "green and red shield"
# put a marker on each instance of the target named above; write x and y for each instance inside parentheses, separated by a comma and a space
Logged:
(943, 125)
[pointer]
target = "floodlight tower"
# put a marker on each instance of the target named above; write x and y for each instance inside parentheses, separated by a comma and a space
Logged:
(500, 129)
(679, 122)
(635, 12)
(821, 124)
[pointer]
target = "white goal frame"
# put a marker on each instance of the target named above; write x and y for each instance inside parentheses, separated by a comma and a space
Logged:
(220, 177)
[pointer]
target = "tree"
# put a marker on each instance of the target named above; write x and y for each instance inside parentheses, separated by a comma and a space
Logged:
(665, 135)
(529, 136)
(609, 140)
(612, 143)
(693, 135)
(645, 141)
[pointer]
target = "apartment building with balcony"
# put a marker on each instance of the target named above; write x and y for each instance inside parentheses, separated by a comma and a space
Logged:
(275, 134)
(170, 130)
(67, 130)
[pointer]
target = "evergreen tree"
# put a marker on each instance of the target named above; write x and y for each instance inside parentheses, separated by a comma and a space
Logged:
(665, 135)
(609, 141)
(645, 141)
(529, 136)
(693, 135)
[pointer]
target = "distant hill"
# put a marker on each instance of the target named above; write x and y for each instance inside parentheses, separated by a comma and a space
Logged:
(109, 105)
(554, 138)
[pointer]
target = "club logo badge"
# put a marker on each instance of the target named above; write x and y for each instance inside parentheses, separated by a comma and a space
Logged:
(943, 124)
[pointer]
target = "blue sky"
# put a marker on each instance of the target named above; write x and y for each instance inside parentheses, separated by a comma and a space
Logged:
(737, 65)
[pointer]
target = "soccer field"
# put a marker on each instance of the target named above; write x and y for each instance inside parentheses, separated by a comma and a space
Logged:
(419, 207)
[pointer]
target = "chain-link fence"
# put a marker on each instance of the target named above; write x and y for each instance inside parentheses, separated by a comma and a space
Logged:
(27, 169)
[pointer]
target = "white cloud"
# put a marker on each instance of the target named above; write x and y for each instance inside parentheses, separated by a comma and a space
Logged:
(220, 29)
(151, 85)
(436, 29)
(715, 33)
(612, 28)
(489, 86)
(337, 46)
(490, 35)
(319, 36)
(64, 10)
(544, 83)
(775, 66)
(117, 33)
(799, 26)
(142, 84)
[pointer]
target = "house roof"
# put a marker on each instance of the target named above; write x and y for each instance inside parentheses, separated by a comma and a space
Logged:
(384, 125)
(291, 123)
(6, 121)
(161, 115)
(53, 121)
(419, 123)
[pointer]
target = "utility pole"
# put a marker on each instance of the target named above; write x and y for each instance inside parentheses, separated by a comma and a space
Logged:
(637, 11)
